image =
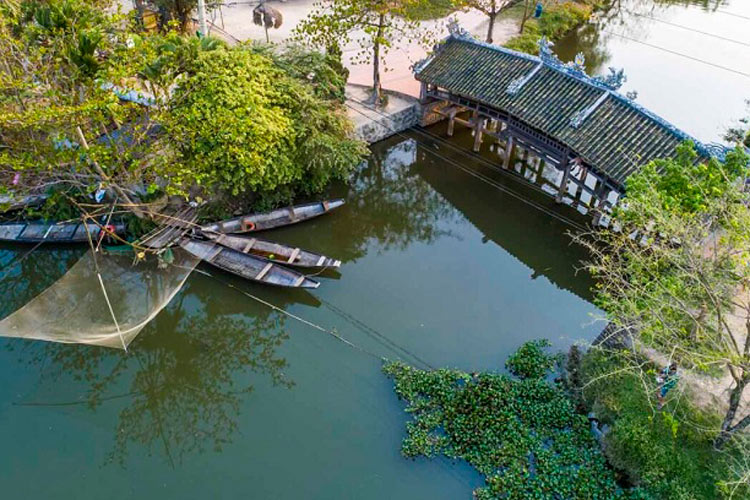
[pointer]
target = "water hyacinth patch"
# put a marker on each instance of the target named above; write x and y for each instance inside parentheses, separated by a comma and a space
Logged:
(522, 434)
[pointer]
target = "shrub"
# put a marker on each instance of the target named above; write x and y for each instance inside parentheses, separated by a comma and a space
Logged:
(666, 453)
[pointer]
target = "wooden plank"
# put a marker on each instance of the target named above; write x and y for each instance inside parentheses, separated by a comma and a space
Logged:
(294, 255)
(249, 245)
(508, 152)
(264, 271)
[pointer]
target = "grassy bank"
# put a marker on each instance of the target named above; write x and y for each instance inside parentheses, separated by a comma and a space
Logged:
(667, 453)
(556, 20)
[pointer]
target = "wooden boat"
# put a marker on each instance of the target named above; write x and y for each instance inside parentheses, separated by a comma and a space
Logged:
(273, 219)
(66, 232)
(246, 266)
(277, 252)
(9, 203)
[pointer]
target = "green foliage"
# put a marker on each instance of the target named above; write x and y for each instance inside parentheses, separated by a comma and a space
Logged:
(522, 435)
(528, 40)
(424, 10)
(374, 25)
(242, 124)
(668, 453)
(530, 360)
(683, 184)
(231, 120)
(557, 20)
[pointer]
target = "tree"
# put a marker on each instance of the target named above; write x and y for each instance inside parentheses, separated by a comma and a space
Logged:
(63, 127)
(491, 9)
(528, 11)
(239, 123)
(55, 57)
(675, 270)
(373, 24)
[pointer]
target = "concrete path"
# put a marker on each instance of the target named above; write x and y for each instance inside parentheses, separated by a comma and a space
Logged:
(238, 23)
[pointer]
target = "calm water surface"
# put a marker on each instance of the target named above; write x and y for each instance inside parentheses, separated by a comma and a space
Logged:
(221, 397)
(645, 37)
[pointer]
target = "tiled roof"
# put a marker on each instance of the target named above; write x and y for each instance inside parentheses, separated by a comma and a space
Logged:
(607, 130)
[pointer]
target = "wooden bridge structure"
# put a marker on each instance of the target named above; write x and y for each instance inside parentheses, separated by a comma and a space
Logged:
(544, 113)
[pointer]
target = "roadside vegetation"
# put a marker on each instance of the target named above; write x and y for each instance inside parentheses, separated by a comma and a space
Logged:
(669, 454)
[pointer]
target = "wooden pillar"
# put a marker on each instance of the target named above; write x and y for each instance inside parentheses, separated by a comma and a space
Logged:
(524, 162)
(579, 189)
(508, 152)
(451, 122)
(599, 203)
(564, 183)
(478, 125)
(423, 92)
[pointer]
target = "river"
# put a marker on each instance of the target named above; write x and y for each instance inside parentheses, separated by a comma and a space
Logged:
(223, 397)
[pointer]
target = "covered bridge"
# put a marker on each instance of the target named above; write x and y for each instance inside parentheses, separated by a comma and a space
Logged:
(577, 123)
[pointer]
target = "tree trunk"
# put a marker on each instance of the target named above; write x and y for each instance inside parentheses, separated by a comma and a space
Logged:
(377, 95)
(491, 27)
(525, 14)
(734, 402)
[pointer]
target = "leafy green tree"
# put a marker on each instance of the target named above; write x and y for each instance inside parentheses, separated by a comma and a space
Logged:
(673, 267)
(239, 122)
(374, 25)
(272, 124)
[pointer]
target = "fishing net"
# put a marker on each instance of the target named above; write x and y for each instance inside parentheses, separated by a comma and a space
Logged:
(104, 299)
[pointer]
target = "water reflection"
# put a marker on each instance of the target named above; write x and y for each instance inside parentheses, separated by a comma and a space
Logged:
(632, 18)
(532, 236)
(181, 384)
(24, 274)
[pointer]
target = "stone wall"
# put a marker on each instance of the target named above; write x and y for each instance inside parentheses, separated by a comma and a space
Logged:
(381, 127)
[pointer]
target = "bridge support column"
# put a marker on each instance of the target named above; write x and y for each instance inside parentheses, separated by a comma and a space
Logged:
(599, 202)
(451, 122)
(508, 152)
(478, 126)
(564, 183)
(579, 189)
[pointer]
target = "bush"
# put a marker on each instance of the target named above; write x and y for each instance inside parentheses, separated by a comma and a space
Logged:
(245, 123)
(560, 19)
(665, 453)
(556, 21)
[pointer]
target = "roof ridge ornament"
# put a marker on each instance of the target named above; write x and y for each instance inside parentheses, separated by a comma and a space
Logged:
(614, 80)
(456, 30)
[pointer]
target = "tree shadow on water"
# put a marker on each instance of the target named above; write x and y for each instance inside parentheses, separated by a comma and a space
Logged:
(181, 384)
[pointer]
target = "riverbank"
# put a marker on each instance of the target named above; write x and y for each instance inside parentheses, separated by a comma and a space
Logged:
(554, 23)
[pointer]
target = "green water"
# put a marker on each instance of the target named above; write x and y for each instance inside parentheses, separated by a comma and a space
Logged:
(221, 397)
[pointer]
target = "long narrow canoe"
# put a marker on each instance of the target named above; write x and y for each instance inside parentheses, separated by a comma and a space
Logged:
(67, 232)
(277, 252)
(273, 219)
(246, 266)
